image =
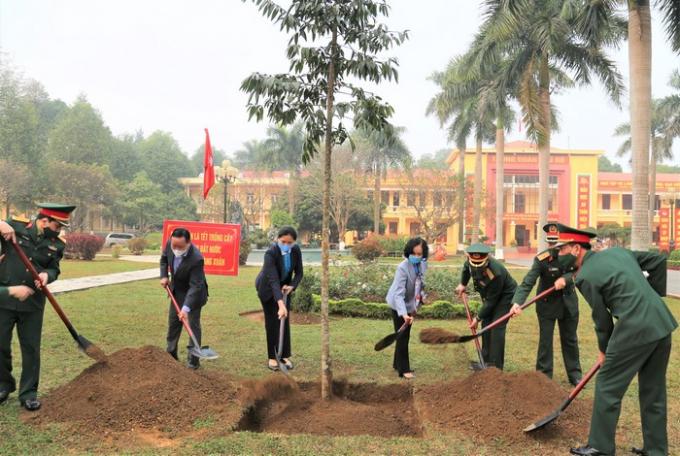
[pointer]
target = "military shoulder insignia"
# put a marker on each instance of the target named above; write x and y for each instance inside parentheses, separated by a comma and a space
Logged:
(16, 218)
(543, 255)
(489, 273)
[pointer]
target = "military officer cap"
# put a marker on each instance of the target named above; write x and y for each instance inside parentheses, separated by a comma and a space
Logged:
(568, 235)
(57, 212)
(552, 232)
(478, 255)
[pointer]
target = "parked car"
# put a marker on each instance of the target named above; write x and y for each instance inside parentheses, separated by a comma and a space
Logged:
(117, 239)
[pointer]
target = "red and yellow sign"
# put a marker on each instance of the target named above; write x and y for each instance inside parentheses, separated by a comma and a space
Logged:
(664, 228)
(583, 202)
(217, 242)
(677, 228)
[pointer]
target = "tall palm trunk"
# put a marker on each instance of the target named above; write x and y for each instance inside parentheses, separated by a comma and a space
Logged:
(326, 373)
(640, 64)
(461, 197)
(292, 189)
(500, 195)
(544, 149)
(652, 186)
(377, 197)
(477, 195)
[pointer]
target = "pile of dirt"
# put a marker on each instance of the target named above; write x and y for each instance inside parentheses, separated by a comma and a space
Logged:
(493, 405)
(356, 409)
(438, 336)
(141, 388)
(295, 318)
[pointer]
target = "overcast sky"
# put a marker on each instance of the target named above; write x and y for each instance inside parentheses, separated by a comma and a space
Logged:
(177, 66)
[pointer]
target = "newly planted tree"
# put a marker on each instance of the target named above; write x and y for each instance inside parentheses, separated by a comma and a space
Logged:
(332, 44)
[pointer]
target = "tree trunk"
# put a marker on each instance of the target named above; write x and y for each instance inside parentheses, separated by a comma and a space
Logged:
(500, 195)
(652, 186)
(544, 150)
(640, 64)
(477, 194)
(292, 189)
(461, 197)
(326, 372)
(377, 197)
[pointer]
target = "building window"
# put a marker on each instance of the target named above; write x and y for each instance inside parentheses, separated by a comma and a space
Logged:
(437, 199)
(422, 199)
(627, 201)
(395, 199)
(250, 198)
(414, 229)
(411, 199)
(442, 228)
(520, 203)
(385, 197)
(393, 227)
(657, 202)
(606, 201)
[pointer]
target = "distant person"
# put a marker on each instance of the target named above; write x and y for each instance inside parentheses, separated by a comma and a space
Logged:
(280, 276)
(182, 267)
(496, 287)
(561, 307)
(39, 239)
(405, 296)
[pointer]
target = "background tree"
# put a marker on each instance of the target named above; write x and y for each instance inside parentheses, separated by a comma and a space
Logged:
(250, 155)
(604, 164)
(142, 202)
(16, 186)
(436, 160)
(125, 160)
(283, 151)
(164, 161)
(330, 43)
(378, 151)
(197, 159)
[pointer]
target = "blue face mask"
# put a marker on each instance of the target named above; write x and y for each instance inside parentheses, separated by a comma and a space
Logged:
(414, 260)
(285, 248)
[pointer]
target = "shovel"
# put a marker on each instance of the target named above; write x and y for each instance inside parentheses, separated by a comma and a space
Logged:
(279, 349)
(481, 365)
(390, 338)
(577, 389)
(504, 318)
(198, 351)
(85, 345)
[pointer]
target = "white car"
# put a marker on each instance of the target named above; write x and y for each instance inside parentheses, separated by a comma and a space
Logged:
(117, 239)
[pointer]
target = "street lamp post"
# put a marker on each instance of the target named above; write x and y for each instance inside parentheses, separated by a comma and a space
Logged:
(227, 175)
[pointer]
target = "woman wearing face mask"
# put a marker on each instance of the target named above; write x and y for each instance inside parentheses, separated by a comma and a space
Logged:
(280, 275)
(405, 296)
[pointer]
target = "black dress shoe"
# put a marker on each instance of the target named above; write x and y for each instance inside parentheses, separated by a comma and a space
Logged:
(4, 394)
(31, 404)
(587, 451)
(575, 382)
(639, 451)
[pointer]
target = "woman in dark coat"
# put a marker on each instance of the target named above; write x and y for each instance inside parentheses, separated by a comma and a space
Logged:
(279, 277)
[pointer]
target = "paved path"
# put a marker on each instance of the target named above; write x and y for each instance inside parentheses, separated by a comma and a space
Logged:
(672, 286)
(83, 283)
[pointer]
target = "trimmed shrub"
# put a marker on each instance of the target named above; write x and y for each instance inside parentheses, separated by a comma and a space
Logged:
(115, 252)
(302, 300)
(83, 246)
(136, 246)
(674, 255)
(367, 250)
(243, 250)
(392, 244)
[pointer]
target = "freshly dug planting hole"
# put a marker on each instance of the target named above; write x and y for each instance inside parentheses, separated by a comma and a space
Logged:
(493, 405)
(140, 388)
(356, 409)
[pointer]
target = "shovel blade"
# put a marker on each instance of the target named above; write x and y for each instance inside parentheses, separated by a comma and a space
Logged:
(203, 353)
(282, 365)
(476, 366)
(385, 342)
(542, 422)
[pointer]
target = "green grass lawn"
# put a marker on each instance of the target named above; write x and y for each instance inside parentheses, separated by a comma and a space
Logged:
(135, 314)
(71, 269)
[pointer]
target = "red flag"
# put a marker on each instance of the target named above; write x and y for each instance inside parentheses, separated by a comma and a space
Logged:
(208, 168)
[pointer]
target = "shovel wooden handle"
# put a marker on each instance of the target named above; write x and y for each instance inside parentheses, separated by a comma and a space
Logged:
(184, 322)
(582, 384)
(46, 291)
(508, 315)
(473, 330)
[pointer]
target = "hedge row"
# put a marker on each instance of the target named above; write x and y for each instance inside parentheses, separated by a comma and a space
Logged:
(353, 307)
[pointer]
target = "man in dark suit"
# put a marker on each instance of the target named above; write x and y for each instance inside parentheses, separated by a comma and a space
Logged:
(182, 260)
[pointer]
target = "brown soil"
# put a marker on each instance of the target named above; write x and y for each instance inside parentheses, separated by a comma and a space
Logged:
(356, 409)
(95, 353)
(494, 406)
(295, 318)
(438, 336)
(140, 388)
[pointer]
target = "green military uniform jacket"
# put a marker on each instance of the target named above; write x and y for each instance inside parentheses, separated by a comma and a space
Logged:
(558, 304)
(494, 284)
(613, 283)
(45, 254)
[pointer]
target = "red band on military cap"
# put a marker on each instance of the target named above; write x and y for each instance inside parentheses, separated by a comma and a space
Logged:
(59, 215)
(574, 237)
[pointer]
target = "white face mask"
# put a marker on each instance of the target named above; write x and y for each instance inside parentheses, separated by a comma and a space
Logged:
(179, 253)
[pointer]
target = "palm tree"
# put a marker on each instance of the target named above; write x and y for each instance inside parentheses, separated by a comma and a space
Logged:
(380, 150)
(542, 38)
(250, 156)
(670, 106)
(283, 150)
(662, 149)
(598, 16)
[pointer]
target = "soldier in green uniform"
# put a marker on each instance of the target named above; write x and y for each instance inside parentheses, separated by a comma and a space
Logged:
(496, 287)
(40, 241)
(627, 287)
(561, 306)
